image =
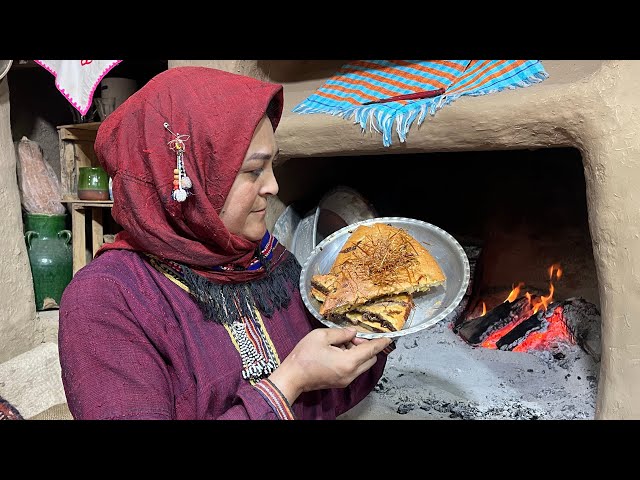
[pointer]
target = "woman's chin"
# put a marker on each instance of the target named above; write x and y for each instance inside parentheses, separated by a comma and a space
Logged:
(256, 234)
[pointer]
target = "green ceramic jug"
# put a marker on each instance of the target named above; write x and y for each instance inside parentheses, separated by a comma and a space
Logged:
(50, 256)
(93, 183)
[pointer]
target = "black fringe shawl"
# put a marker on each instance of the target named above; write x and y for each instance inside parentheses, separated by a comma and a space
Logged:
(230, 302)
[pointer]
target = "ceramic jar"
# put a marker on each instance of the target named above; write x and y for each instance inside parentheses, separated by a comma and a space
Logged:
(93, 183)
(50, 256)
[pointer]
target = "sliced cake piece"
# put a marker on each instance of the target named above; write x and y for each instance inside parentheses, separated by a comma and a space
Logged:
(379, 260)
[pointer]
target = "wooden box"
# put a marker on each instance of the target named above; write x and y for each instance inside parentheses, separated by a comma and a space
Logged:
(76, 150)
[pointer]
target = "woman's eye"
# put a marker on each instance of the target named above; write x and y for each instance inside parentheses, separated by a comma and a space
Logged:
(257, 172)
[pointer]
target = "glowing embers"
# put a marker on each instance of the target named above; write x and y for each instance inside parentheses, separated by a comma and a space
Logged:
(526, 322)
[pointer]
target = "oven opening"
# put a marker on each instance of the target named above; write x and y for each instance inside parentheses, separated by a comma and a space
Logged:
(530, 321)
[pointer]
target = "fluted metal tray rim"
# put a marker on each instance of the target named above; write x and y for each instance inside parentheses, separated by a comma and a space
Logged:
(446, 250)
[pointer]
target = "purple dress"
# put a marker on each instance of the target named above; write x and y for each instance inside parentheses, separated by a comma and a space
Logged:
(134, 345)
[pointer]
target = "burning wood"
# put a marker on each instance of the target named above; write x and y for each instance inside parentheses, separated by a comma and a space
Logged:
(476, 330)
(513, 326)
(531, 321)
(583, 321)
(518, 334)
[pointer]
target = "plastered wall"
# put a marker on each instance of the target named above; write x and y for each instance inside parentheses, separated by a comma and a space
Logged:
(593, 106)
(17, 302)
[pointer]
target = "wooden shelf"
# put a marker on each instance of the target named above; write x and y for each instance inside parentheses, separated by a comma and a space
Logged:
(79, 210)
(76, 150)
(88, 203)
(80, 126)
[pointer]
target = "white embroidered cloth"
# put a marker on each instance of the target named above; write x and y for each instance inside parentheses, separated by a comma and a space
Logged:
(77, 80)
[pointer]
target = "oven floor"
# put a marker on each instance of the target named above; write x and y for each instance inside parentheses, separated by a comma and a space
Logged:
(434, 374)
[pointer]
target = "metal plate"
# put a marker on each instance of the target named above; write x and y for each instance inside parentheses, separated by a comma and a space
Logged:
(5, 65)
(431, 306)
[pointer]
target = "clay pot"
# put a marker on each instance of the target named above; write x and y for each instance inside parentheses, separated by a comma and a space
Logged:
(50, 256)
(93, 183)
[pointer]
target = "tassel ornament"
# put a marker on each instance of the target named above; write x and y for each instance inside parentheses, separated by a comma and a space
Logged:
(181, 182)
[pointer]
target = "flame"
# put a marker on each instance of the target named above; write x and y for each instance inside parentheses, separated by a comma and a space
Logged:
(515, 292)
(556, 327)
(558, 270)
(543, 301)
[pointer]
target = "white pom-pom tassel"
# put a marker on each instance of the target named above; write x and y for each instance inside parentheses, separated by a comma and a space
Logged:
(179, 195)
(186, 182)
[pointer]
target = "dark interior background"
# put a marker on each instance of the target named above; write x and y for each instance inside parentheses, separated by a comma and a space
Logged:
(526, 208)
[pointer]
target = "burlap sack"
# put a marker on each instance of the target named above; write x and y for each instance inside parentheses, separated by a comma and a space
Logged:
(40, 190)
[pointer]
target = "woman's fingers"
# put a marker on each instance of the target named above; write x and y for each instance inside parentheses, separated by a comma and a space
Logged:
(338, 336)
(369, 349)
(366, 365)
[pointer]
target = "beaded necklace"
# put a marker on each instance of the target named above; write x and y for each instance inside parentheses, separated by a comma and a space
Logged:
(237, 306)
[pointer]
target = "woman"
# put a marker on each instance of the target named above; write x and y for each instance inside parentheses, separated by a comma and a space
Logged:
(194, 311)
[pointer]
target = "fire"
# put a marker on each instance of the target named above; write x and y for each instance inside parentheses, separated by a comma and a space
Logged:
(515, 292)
(535, 302)
(544, 300)
(558, 270)
(556, 328)
(491, 340)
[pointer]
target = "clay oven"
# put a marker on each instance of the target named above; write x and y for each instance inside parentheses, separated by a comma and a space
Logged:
(584, 115)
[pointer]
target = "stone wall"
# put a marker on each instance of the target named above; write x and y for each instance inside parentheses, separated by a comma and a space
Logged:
(37, 108)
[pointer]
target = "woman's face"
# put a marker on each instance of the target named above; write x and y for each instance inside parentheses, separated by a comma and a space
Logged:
(244, 210)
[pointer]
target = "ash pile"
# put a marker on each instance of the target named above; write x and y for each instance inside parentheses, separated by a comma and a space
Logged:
(439, 376)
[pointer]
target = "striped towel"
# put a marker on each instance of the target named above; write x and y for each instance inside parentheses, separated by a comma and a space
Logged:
(347, 92)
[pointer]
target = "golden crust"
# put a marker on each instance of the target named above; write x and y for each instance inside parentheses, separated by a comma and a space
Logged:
(318, 295)
(324, 283)
(385, 314)
(379, 260)
(396, 306)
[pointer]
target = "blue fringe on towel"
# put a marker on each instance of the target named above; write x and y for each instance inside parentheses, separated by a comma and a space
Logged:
(365, 81)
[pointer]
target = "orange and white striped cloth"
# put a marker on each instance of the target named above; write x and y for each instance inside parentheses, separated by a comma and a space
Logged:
(381, 93)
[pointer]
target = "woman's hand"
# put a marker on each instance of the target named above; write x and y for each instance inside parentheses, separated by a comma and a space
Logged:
(326, 358)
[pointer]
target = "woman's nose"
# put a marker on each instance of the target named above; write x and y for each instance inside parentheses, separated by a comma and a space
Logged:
(270, 186)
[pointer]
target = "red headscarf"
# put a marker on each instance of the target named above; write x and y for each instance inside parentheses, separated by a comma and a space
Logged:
(219, 111)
